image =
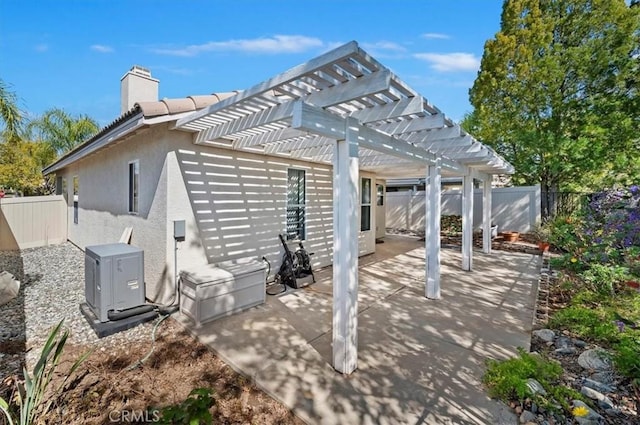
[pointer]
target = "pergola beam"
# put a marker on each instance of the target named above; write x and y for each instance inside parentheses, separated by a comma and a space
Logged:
(400, 108)
(412, 125)
(318, 121)
(311, 141)
(353, 89)
(275, 114)
(287, 76)
(266, 138)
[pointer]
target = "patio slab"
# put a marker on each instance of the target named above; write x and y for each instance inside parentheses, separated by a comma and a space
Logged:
(419, 360)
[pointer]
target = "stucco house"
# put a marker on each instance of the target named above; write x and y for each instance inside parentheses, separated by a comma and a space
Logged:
(304, 153)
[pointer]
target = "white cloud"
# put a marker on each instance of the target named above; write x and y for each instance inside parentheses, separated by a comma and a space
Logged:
(101, 48)
(385, 49)
(268, 45)
(451, 61)
(384, 45)
(42, 47)
(436, 35)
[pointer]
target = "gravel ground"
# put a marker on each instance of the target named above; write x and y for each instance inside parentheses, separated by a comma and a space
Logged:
(52, 289)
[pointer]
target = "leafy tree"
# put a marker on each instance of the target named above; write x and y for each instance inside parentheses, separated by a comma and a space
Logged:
(21, 164)
(557, 92)
(26, 149)
(10, 114)
(62, 131)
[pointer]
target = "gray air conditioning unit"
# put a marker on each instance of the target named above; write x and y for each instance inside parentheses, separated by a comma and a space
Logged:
(113, 278)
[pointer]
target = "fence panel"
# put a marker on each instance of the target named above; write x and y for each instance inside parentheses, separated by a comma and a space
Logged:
(32, 221)
(512, 209)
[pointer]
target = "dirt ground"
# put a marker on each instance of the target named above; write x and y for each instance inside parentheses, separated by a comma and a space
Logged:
(105, 390)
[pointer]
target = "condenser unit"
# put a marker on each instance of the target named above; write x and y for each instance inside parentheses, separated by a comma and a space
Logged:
(113, 278)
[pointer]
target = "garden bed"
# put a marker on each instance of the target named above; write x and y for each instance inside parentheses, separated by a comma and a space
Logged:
(585, 362)
(105, 384)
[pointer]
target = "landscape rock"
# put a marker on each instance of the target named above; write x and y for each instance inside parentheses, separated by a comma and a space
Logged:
(598, 386)
(9, 287)
(613, 411)
(527, 417)
(607, 378)
(547, 335)
(565, 350)
(563, 342)
(535, 387)
(591, 418)
(595, 359)
(579, 343)
(603, 400)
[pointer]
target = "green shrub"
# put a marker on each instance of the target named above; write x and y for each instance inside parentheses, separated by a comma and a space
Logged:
(30, 394)
(563, 233)
(627, 357)
(507, 380)
(193, 411)
(451, 224)
(560, 395)
(587, 322)
(604, 278)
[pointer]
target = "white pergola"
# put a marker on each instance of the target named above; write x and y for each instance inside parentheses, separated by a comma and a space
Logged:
(345, 108)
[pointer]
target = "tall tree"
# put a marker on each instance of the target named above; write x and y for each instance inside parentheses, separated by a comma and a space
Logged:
(10, 114)
(62, 131)
(557, 92)
(26, 149)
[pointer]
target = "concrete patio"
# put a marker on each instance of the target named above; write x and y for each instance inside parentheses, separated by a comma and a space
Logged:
(419, 361)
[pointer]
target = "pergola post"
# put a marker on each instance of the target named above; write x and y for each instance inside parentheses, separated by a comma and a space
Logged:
(467, 223)
(345, 251)
(486, 216)
(432, 231)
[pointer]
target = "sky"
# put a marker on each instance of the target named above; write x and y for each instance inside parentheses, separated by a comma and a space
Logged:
(72, 54)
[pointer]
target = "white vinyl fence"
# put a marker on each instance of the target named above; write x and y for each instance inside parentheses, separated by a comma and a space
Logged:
(32, 221)
(513, 208)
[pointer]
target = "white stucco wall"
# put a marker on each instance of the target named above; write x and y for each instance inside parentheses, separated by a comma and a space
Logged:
(233, 203)
(103, 200)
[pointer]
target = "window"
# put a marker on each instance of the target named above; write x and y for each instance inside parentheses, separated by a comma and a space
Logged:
(380, 195)
(58, 185)
(296, 204)
(134, 182)
(61, 186)
(365, 205)
(76, 190)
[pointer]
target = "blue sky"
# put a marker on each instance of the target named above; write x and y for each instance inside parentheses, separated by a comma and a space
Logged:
(72, 54)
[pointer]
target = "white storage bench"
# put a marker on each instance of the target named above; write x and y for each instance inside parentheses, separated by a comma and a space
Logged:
(216, 290)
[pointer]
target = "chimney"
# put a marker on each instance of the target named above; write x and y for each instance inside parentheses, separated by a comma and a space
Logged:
(137, 85)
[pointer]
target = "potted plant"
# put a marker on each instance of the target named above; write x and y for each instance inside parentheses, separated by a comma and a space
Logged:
(542, 233)
(510, 236)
